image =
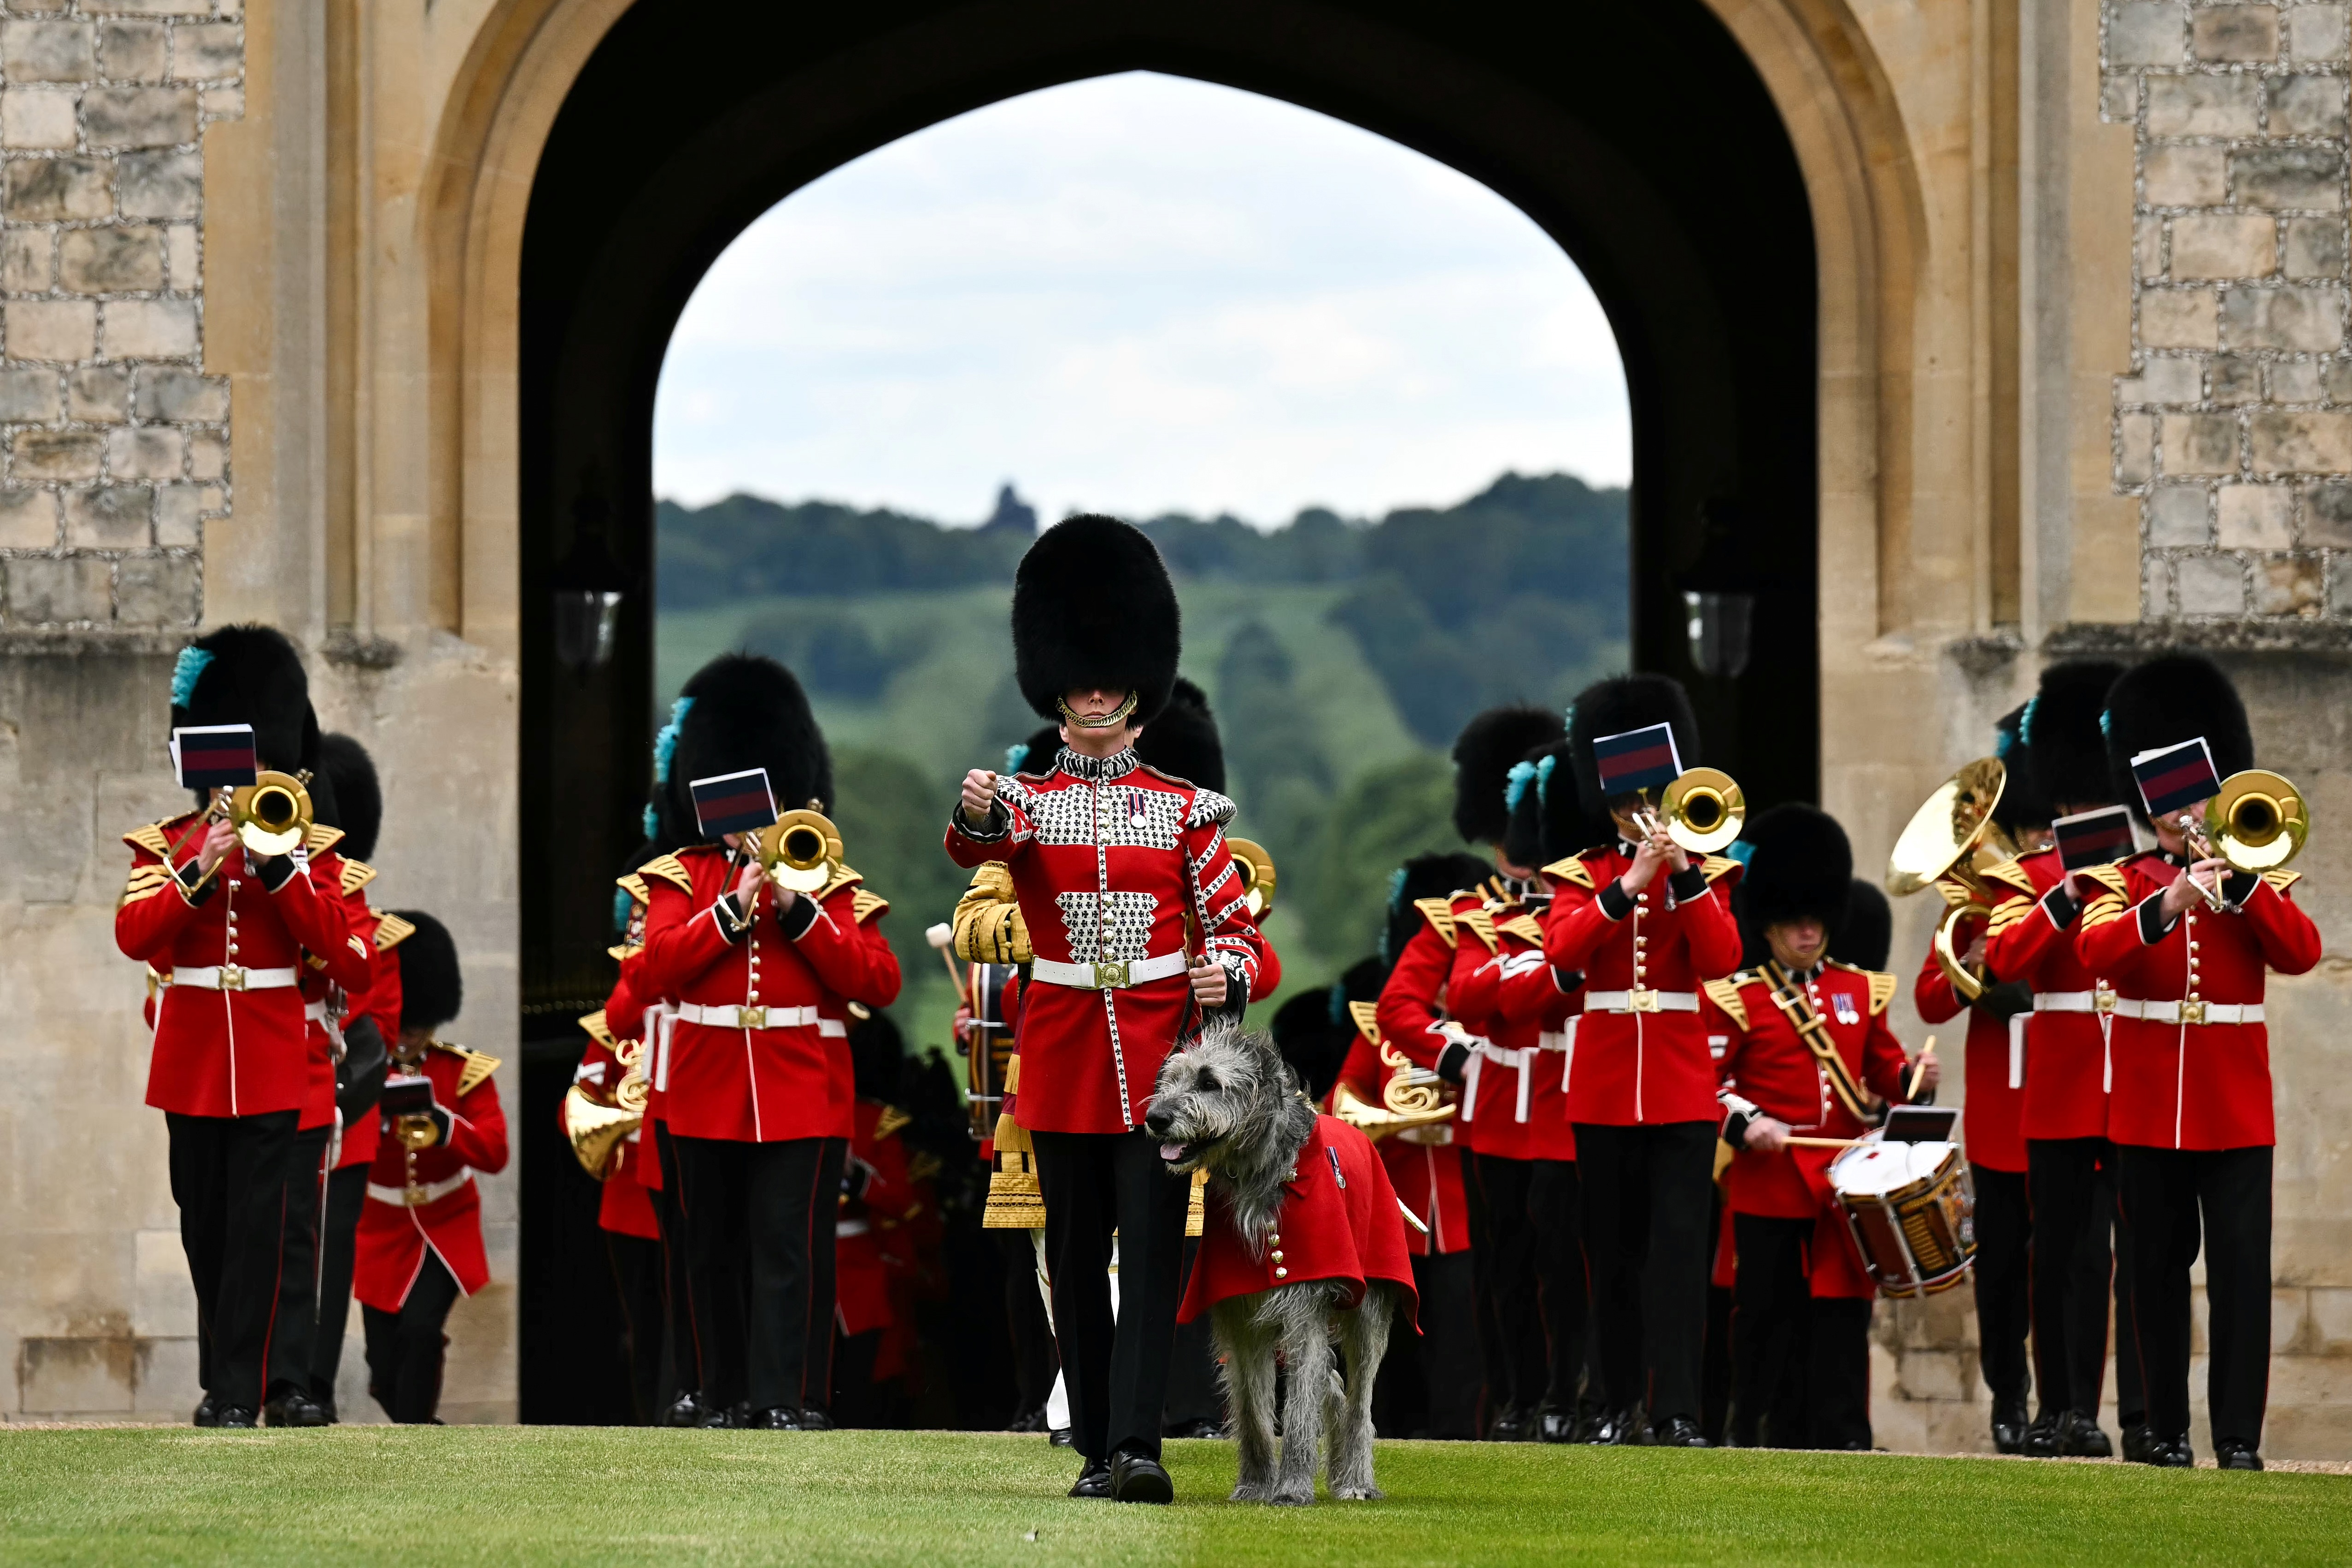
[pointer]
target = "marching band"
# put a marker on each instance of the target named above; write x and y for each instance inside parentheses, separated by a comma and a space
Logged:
(1637, 1049)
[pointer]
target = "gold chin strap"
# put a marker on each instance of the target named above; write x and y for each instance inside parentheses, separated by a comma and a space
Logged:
(1111, 719)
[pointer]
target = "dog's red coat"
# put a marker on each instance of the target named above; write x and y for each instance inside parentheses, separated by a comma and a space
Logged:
(1329, 1229)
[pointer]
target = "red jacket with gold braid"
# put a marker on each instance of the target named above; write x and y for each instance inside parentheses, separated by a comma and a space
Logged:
(1991, 1124)
(866, 910)
(1413, 1011)
(381, 1003)
(1423, 1165)
(1503, 989)
(428, 1197)
(642, 1016)
(349, 975)
(2181, 1083)
(1338, 1220)
(229, 1048)
(1108, 858)
(769, 1077)
(1640, 1049)
(2033, 940)
(624, 1207)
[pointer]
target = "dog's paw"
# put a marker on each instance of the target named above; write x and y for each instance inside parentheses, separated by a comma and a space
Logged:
(1358, 1494)
(1248, 1491)
(1282, 1497)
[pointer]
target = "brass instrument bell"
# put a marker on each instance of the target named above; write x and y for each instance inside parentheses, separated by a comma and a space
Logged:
(801, 850)
(2259, 822)
(595, 1129)
(271, 815)
(1946, 842)
(415, 1131)
(1704, 810)
(1256, 868)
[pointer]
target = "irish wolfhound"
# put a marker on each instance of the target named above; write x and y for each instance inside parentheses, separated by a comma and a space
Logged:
(1229, 1105)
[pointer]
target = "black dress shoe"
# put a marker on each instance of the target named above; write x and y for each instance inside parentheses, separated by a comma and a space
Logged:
(327, 1409)
(685, 1410)
(778, 1418)
(2041, 1439)
(738, 1415)
(1554, 1425)
(1587, 1420)
(1094, 1481)
(1062, 1438)
(207, 1413)
(293, 1410)
(814, 1419)
(1028, 1421)
(1510, 1424)
(1680, 1432)
(2171, 1453)
(2138, 1439)
(1619, 1429)
(1199, 1426)
(2009, 1428)
(2233, 1454)
(2079, 1438)
(1137, 1477)
(236, 1415)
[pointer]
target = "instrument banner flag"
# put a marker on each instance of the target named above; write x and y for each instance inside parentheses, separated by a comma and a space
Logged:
(733, 803)
(214, 756)
(1637, 760)
(2093, 838)
(2174, 778)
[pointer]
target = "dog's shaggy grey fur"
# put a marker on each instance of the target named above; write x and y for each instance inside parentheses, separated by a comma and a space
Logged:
(1229, 1105)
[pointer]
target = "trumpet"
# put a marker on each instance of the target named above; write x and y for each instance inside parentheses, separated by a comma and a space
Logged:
(801, 850)
(271, 815)
(2257, 823)
(1946, 842)
(1256, 868)
(1702, 810)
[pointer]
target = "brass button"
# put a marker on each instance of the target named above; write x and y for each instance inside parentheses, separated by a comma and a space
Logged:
(1281, 1274)
(1277, 1258)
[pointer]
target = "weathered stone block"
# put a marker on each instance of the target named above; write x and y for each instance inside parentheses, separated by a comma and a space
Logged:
(2309, 318)
(27, 392)
(2224, 245)
(2236, 379)
(212, 50)
(112, 517)
(2200, 444)
(2164, 379)
(2156, 587)
(207, 457)
(48, 49)
(111, 260)
(50, 329)
(150, 329)
(2177, 517)
(225, 102)
(2294, 381)
(151, 7)
(58, 190)
(47, 589)
(157, 589)
(182, 397)
(36, 117)
(27, 260)
(2187, 177)
(2256, 517)
(2317, 33)
(2147, 246)
(2146, 33)
(2312, 443)
(2315, 247)
(179, 512)
(2327, 515)
(40, 457)
(144, 452)
(180, 245)
(63, 1376)
(2339, 586)
(28, 519)
(2290, 586)
(2178, 318)
(2120, 96)
(2204, 105)
(2305, 105)
(2210, 586)
(2135, 448)
(160, 184)
(134, 51)
(2311, 178)
(99, 395)
(139, 115)
(2234, 33)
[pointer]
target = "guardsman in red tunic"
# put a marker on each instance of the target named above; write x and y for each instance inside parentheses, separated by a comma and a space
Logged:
(231, 1064)
(1807, 1047)
(2190, 1114)
(420, 1236)
(1644, 925)
(759, 976)
(2061, 1049)
(612, 1073)
(1110, 860)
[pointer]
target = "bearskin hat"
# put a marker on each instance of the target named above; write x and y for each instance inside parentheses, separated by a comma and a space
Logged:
(1035, 754)
(2022, 802)
(2068, 756)
(1483, 756)
(249, 675)
(432, 989)
(1183, 740)
(1092, 606)
(1430, 876)
(1626, 702)
(878, 1056)
(2173, 698)
(1523, 798)
(1799, 864)
(1867, 934)
(1311, 1044)
(743, 710)
(349, 774)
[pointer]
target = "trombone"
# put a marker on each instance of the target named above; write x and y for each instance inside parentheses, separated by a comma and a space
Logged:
(1702, 810)
(1946, 842)
(801, 850)
(272, 813)
(2257, 823)
(1256, 868)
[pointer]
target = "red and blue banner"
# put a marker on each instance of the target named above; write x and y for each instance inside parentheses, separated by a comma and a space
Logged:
(1637, 760)
(2175, 778)
(214, 756)
(2091, 838)
(733, 803)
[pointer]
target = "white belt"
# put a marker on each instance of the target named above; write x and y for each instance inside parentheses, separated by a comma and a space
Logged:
(315, 1011)
(2190, 1012)
(720, 1018)
(229, 978)
(1111, 975)
(1522, 1060)
(2073, 1001)
(1641, 1002)
(417, 1197)
(2102, 1002)
(851, 1227)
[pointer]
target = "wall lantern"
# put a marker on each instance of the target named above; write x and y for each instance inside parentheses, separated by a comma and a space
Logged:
(1719, 593)
(587, 591)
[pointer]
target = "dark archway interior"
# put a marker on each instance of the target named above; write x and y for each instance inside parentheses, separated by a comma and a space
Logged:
(1638, 137)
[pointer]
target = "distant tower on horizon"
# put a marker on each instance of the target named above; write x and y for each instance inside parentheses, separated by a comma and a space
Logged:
(1012, 514)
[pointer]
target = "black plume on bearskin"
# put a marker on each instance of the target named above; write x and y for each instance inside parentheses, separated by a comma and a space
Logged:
(2022, 803)
(1483, 756)
(432, 989)
(350, 773)
(749, 712)
(1802, 865)
(1867, 935)
(254, 677)
(1311, 1043)
(1183, 740)
(2173, 698)
(1626, 702)
(1093, 607)
(2061, 732)
(1430, 876)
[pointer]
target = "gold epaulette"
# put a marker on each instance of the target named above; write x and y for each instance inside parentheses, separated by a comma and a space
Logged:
(357, 874)
(1714, 867)
(1954, 895)
(2112, 899)
(1365, 1015)
(1481, 925)
(864, 906)
(1725, 994)
(2007, 912)
(1526, 927)
(2110, 877)
(147, 878)
(477, 1067)
(670, 870)
(322, 838)
(2011, 874)
(1571, 869)
(391, 930)
(842, 876)
(1882, 990)
(1439, 912)
(152, 839)
(2281, 881)
(598, 1030)
(891, 1120)
(634, 886)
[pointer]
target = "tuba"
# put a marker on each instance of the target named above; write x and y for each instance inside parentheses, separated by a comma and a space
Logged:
(1946, 843)
(1702, 810)
(801, 850)
(1256, 868)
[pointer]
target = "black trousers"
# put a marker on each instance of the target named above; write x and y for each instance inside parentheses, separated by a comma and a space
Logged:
(750, 1221)
(228, 1178)
(1554, 1200)
(2165, 1192)
(2001, 1276)
(637, 1280)
(1516, 1376)
(1449, 1348)
(1643, 1191)
(1025, 1315)
(1800, 1366)
(404, 1348)
(293, 1340)
(337, 1238)
(1494, 1359)
(677, 1296)
(1115, 1370)
(816, 1375)
(1192, 1392)
(2072, 1185)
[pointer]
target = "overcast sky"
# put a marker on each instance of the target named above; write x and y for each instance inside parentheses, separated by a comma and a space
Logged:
(1138, 294)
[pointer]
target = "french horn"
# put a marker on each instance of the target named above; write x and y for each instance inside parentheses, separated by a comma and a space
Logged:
(593, 1129)
(1946, 842)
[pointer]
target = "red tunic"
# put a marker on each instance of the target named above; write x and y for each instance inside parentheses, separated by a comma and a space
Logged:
(2178, 1084)
(638, 1015)
(1425, 1166)
(1338, 1220)
(328, 984)
(866, 910)
(1508, 995)
(2033, 941)
(1989, 1122)
(1413, 1015)
(1641, 1067)
(394, 1232)
(227, 1052)
(1107, 862)
(623, 1206)
(380, 1003)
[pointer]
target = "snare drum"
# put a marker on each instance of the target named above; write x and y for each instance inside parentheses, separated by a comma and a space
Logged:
(1910, 1209)
(988, 1046)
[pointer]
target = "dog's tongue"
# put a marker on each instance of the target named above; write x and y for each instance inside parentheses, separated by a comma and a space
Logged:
(1171, 1150)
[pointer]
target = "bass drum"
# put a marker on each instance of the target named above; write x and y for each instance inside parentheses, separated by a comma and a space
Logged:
(1910, 1209)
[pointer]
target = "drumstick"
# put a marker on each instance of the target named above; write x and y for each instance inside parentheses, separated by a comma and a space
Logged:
(1412, 1218)
(940, 936)
(1921, 1070)
(1823, 1143)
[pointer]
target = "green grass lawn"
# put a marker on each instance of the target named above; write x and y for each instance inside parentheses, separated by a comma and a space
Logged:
(462, 1494)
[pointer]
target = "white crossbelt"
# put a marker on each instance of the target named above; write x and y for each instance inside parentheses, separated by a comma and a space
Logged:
(1110, 976)
(722, 1018)
(2171, 1012)
(1641, 1002)
(418, 1196)
(229, 978)
(315, 1011)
